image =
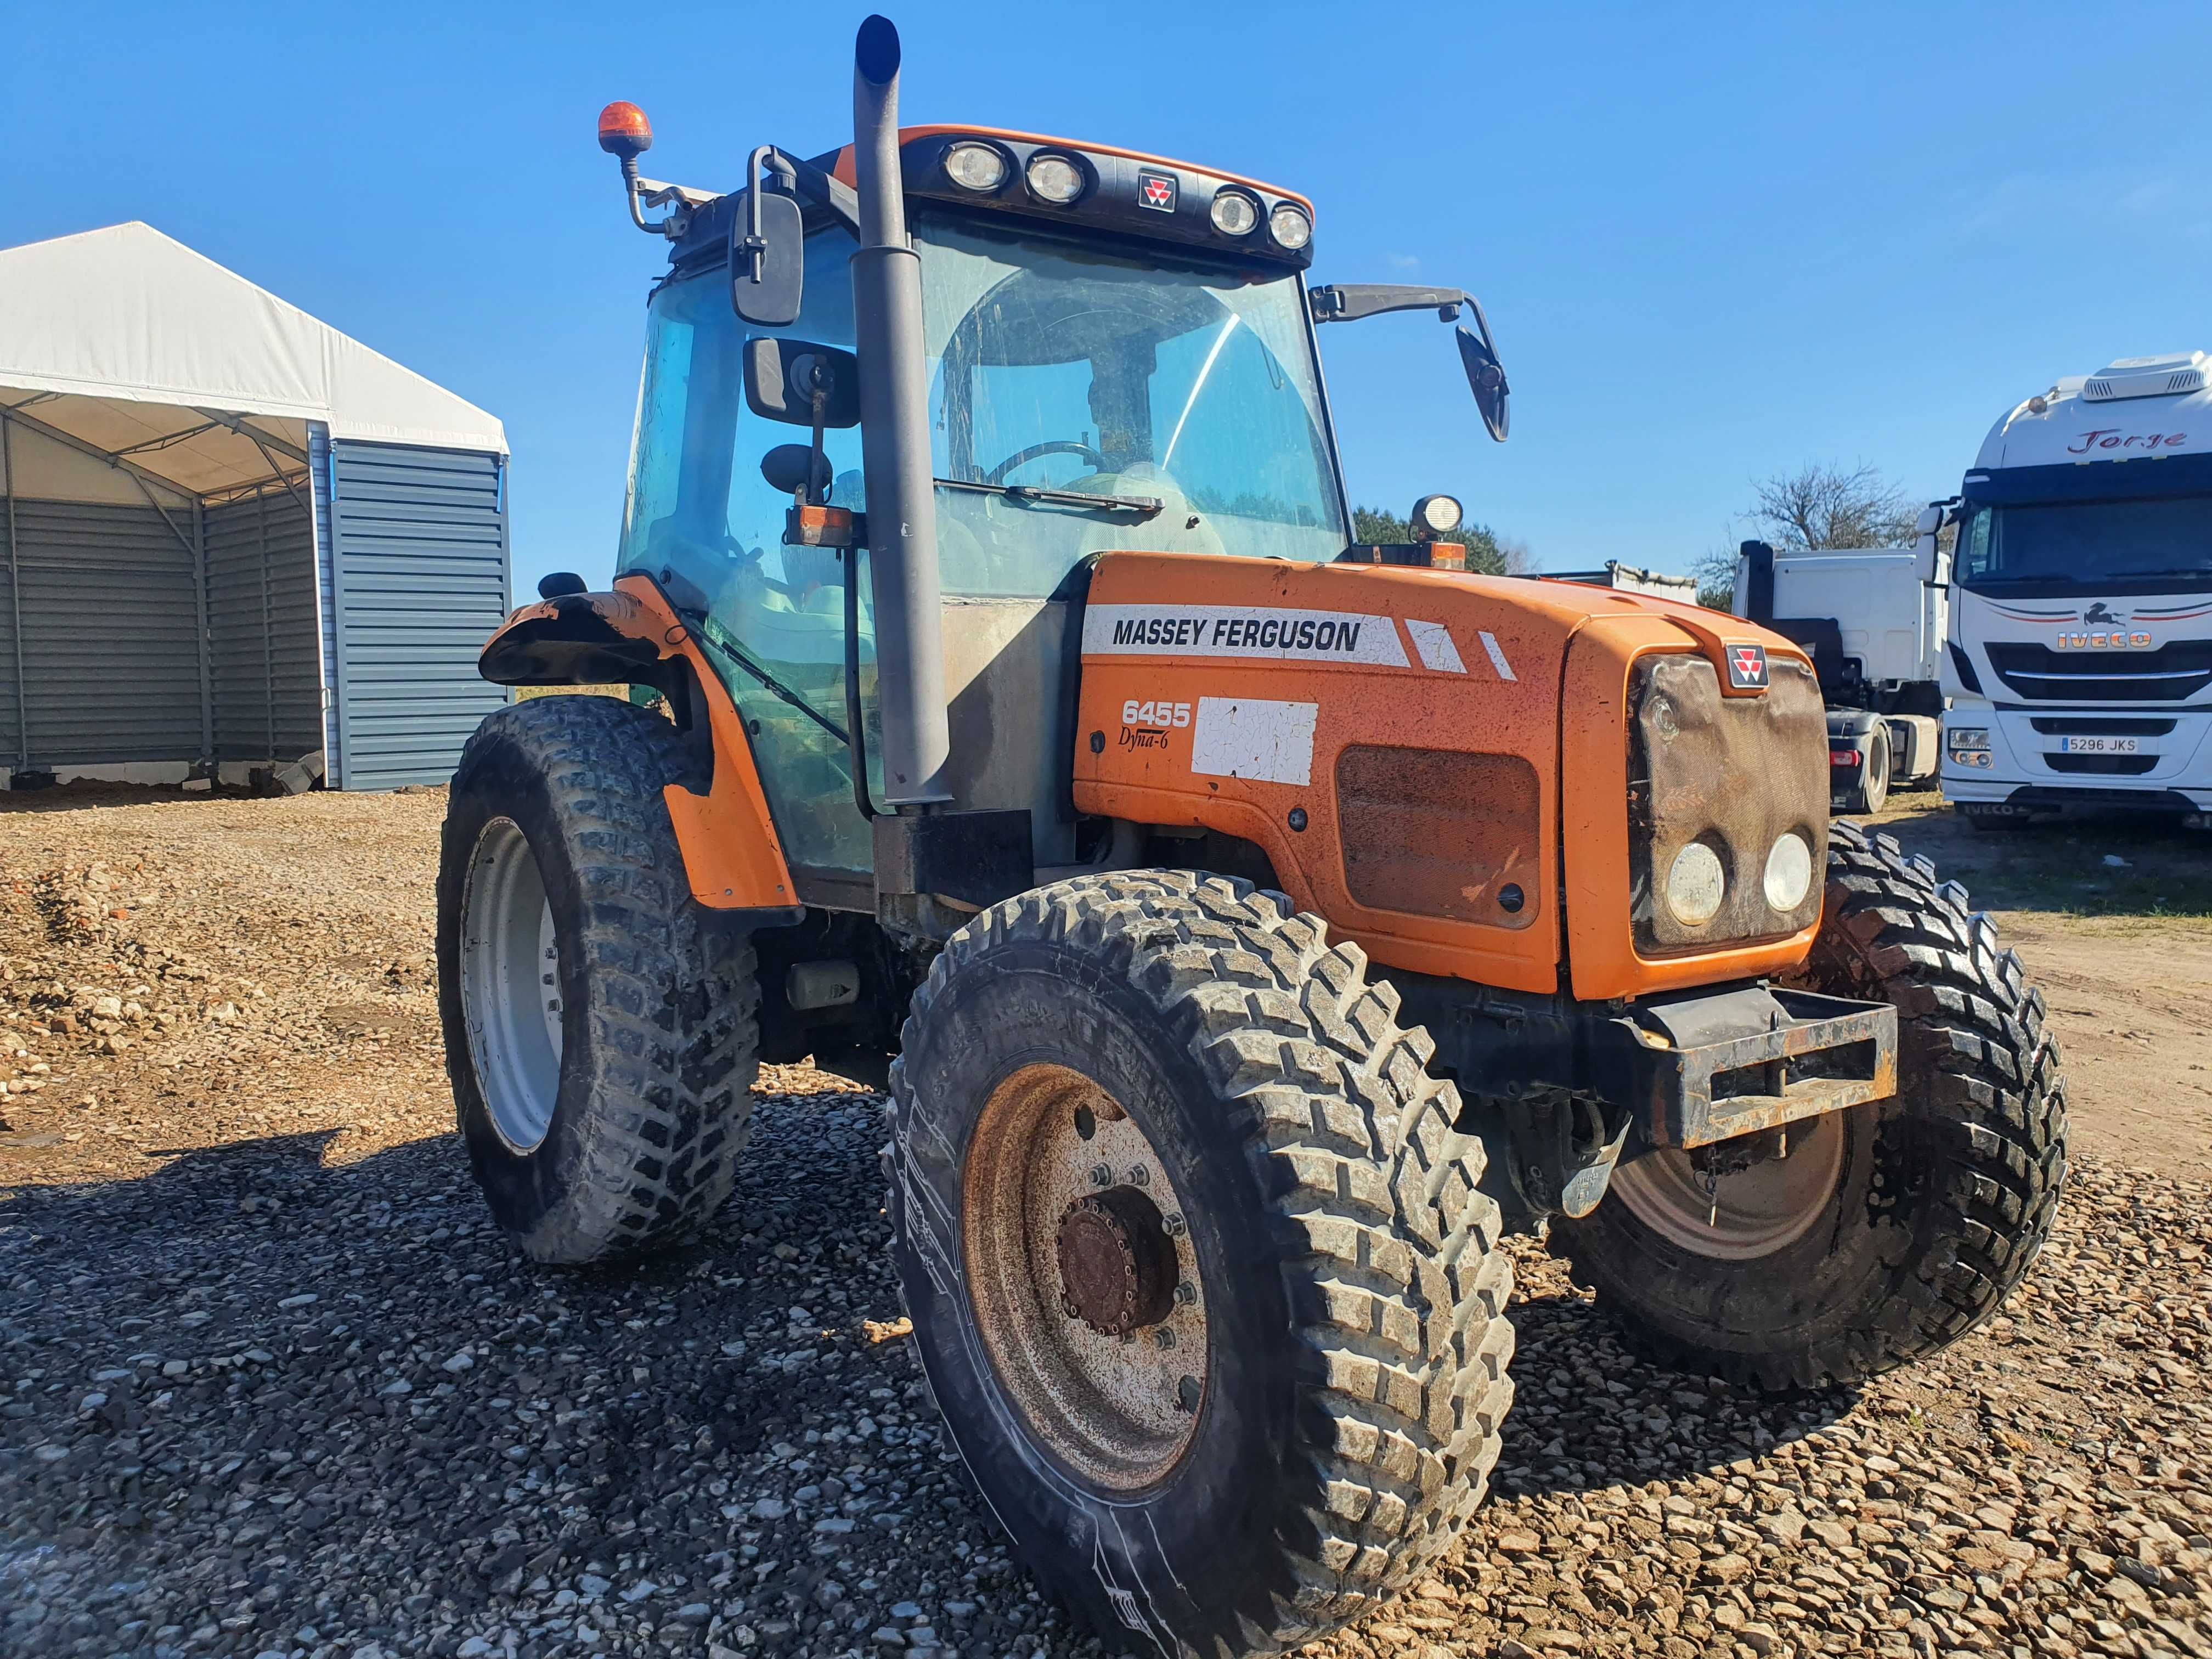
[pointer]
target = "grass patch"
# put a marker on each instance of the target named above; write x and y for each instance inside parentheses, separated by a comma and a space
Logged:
(2120, 867)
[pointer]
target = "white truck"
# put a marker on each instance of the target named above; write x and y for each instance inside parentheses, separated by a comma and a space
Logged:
(1873, 620)
(2079, 662)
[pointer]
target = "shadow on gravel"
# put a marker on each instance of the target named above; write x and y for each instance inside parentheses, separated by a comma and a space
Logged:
(252, 1393)
(261, 1403)
(1588, 1413)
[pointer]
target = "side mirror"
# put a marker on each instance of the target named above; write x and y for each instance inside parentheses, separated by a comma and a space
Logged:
(767, 254)
(784, 379)
(793, 468)
(1486, 375)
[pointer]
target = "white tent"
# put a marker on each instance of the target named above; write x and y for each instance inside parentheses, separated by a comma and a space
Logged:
(171, 436)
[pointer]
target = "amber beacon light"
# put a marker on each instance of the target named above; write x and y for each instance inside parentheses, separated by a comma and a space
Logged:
(624, 131)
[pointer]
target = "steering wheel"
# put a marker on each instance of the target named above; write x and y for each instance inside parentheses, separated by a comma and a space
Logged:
(1038, 451)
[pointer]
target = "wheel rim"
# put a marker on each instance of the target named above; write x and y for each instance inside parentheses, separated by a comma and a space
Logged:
(510, 986)
(1744, 1215)
(1051, 1247)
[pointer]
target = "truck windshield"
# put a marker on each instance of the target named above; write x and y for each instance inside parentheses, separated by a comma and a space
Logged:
(1059, 364)
(2088, 542)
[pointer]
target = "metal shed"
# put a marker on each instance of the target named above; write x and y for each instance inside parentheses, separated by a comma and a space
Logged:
(232, 539)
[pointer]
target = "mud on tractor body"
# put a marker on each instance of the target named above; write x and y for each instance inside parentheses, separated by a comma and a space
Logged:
(1251, 929)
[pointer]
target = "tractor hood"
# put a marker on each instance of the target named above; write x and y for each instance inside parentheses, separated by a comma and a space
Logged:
(1451, 734)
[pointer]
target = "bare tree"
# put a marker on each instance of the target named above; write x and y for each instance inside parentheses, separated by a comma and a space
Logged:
(1519, 559)
(1822, 506)
(1715, 574)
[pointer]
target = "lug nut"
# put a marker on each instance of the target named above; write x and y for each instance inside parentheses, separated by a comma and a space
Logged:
(1101, 1176)
(1140, 1176)
(1185, 1293)
(1163, 1337)
(1172, 1225)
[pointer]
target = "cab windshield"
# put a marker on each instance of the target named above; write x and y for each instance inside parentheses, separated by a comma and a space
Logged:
(2092, 544)
(1186, 389)
(1060, 365)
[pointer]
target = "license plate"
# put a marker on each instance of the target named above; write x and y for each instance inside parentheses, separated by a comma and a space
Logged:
(2099, 746)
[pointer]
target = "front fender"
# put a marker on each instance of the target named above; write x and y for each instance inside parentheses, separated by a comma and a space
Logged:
(732, 857)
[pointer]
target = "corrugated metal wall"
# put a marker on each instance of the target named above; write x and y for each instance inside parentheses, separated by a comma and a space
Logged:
(319, 468)
(12, 749)
(420, 558)
(264, 664)
(111, 650)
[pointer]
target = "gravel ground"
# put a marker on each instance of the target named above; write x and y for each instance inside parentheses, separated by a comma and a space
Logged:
(272, 1383)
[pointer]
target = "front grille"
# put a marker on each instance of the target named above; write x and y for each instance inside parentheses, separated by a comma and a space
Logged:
(2058, 725)
(2125, 766)
(2168, 674)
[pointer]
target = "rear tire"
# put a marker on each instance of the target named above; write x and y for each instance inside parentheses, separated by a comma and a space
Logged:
(605, 1112)
(1871, 792)
(1917, 1214)
(1324, 1411)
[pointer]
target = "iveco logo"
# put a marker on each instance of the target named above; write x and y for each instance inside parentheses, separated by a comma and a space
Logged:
(2115, 642)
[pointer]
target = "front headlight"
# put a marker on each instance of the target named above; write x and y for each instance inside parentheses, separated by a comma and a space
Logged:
(1965, 739)
(1696, 884)
(1788, 872)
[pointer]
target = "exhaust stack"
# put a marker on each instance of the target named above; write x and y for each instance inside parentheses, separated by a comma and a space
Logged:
(895, 441)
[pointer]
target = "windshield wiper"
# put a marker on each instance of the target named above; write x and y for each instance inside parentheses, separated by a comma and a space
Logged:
(714, 634)
(1143, 506)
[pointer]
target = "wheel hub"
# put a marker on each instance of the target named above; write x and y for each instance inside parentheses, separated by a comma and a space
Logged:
(1084, 1279)
(1117, 1269)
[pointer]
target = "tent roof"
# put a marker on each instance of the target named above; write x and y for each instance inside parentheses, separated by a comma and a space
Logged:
(131, 344)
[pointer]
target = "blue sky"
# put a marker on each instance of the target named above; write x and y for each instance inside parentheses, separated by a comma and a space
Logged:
(1715, 243)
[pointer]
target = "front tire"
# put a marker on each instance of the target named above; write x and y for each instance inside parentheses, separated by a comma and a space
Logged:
(1197, 1267)
(601, 1031)
(1890, 1228)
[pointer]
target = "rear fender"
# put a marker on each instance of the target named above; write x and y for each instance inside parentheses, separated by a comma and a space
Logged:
(732, 857)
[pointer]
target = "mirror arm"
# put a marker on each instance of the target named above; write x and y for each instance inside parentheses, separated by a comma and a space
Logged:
(1349, 302)
(822, 189)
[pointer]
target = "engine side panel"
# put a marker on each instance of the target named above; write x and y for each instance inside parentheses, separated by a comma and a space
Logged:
(1250, 697)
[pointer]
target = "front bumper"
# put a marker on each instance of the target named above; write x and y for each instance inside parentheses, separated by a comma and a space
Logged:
(1709, 1068)
(1572, 1087)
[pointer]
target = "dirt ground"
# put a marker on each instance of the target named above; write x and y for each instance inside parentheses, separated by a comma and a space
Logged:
(269, 1382)
(2124, 952)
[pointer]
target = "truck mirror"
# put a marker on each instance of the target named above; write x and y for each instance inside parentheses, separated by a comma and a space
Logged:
(1486, 376)
(768, 256)
(782, 377)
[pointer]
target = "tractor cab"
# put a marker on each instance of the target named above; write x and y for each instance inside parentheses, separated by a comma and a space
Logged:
(1120, 354)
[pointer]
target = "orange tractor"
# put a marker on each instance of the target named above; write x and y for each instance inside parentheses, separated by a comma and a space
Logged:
(1251, 929)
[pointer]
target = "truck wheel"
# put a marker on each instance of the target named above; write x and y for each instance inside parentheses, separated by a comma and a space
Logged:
(1871, 792)
(1197, 1267)
(1888, 1229)
(601, 1033)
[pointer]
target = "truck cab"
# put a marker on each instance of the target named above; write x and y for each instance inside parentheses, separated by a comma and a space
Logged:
(1872, 621)
(2079, 664)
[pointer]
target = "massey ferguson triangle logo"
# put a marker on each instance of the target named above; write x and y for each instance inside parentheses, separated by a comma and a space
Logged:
(1157, 190)
(1747, 666)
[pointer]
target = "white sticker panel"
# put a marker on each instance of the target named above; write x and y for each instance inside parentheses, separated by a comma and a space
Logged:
(1496, 655)
(1255, 738)
(1239, 630)
(1434, 641)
